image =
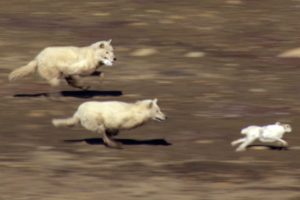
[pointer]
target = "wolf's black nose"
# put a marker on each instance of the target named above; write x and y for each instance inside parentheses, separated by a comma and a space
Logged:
(115, 59)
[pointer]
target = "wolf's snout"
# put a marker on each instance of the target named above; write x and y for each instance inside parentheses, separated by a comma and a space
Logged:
(160, 118)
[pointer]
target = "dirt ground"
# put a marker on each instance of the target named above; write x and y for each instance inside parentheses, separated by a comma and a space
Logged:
(214, 67)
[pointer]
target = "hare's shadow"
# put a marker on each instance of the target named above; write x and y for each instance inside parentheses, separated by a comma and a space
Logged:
(77, 93)
(99, 141)
(270, 147)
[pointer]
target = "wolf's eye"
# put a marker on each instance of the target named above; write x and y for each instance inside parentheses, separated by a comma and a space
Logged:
(107, 52)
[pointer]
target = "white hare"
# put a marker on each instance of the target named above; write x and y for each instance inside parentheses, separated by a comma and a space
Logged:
(268, 133)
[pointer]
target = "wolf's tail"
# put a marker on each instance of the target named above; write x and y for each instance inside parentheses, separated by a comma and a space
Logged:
(23, 71)
(71, 121)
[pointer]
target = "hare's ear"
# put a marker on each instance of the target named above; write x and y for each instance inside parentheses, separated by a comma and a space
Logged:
(155, 101)
(101, 45)
(109, 41)
(278, 123)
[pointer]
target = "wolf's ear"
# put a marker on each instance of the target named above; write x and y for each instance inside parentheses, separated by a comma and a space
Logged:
(155, 101)
(150, 105)
(101, 45)
(109, 41)
(278, 123)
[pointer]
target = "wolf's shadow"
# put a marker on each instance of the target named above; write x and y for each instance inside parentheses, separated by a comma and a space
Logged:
(99, 141)
(270, 147)
(79, 94)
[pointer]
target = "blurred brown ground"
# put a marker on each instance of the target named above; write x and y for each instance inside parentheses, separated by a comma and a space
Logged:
(212, 64)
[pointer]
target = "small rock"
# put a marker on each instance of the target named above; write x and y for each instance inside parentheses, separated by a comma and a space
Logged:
(144, 52)
(138, 24)
(293, 53)
(164, 82)
(133, 95)
(153, 11)
(123, 49)
(45, 148)
(234, 2)
(257, 90)
(40, 13)
(166, 21)
(36, 113)
(204, 141)
(196, 54)
(101, 14)
(32, 126)
(177, 17)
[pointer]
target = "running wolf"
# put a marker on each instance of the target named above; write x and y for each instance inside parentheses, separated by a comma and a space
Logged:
(107, 118)
(68, 62)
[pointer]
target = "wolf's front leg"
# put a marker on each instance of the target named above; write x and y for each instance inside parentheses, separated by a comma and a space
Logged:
(55, 96)
(98, 74)
(75, 82)
(112, 132)
(109, 142)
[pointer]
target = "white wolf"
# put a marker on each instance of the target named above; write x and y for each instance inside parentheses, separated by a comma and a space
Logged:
(269, 133)
(107, 118)
(68, 62)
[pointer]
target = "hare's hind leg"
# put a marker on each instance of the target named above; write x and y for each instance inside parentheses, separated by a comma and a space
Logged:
(244, 145)
(235, 142)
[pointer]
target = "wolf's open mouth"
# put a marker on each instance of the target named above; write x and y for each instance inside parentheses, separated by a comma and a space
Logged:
(159, 119)
(106, 62)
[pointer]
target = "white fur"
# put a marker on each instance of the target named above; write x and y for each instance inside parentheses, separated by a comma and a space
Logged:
(54, 63)
(107, 118)
(269, 133)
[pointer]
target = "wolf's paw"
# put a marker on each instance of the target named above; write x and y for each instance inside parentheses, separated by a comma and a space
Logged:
(86, 87)
(114, 145)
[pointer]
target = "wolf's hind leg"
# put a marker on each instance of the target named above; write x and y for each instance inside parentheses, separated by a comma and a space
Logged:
(108, 141)
(54, 82)
(75, 82)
